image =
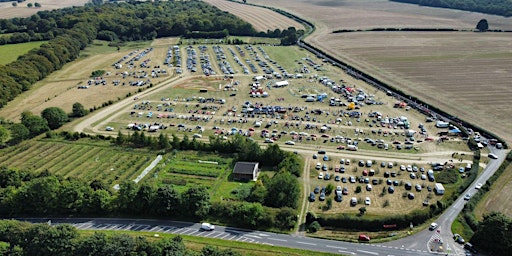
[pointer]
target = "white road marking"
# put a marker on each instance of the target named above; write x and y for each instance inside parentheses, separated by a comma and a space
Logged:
(346, 252)
(260, 234)
(336, 247)
(253, 236)
(305, 243)
(277, 239)
(373, 253)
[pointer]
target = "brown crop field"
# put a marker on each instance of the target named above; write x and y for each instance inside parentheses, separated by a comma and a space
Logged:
(465, 74)
(8, 11)
(262, 19)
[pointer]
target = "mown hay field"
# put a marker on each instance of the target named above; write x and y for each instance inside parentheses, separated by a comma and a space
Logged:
(8, 11)
(496, 200)
(262, 19)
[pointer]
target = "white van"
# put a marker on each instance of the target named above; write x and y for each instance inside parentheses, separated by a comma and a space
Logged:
(207, 226)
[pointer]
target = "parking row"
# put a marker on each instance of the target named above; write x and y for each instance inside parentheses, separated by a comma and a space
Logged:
(226, 235)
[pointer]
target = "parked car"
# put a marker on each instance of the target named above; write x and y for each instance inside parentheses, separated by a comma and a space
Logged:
(467, 197)
(492, 156)
(345, 190)
(344, 179)
(337, 178)
(367, 201)
(458, 238)
(316, 190)
(418, 187)
(368, 187)
(391, 190)
(311, 197)
(322, 196)
(320, 176)
(207, 226)
(353, 201)
(478, 186)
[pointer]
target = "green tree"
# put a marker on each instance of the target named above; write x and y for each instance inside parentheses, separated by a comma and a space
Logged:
(258, 192)
(494, 234)
(14, 4)
(196, 201)
(78, 110)
(127, 192)
(482, 25)
(362, 210)
(35, 124)
(37, 5)
(19, 133)
(56, 117)
(29, 5)
(45, 240)
(5, 134)
(283, 191)
(167, 201)
(314, 227)
(286, 218)
(143, 199)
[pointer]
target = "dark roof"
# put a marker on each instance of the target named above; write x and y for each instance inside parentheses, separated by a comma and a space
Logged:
(245, 167)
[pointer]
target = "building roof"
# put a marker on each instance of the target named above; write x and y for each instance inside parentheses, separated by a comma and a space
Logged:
(245, 167)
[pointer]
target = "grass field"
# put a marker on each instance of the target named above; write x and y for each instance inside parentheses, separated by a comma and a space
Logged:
(8, 11)
(60, 88)
(496, 199)
(11, 52)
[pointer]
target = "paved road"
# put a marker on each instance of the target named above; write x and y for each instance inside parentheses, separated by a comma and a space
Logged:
(235, 234)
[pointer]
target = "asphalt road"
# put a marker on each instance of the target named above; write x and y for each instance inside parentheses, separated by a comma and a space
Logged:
(235, 234)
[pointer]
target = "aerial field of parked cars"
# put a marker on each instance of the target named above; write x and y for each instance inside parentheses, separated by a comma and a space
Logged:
(362, 141)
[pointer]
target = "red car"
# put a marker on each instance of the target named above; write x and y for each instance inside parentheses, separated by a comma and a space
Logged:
(363, 237)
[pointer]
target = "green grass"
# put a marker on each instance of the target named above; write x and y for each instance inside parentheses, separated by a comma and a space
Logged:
(197, 243)
(11, 52)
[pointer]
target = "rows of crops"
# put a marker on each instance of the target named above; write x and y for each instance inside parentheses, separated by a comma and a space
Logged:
(87, 161)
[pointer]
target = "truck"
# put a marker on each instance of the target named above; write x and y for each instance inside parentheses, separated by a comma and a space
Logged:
(352, 147)
(439, 189)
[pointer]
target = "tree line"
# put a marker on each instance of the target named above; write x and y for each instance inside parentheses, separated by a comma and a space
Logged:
(70, 30)
(497, 7)
(23, 238)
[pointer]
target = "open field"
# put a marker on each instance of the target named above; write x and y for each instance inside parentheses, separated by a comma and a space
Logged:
(60, 89)
(85, 159)
(261, 19)
(477, 72)
(8, 11)
(11, 52)
(497, 198)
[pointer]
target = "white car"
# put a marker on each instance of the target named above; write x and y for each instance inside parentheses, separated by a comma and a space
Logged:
(467, 197)
(433, 226)
(109, 128)
(207, 226)
(478, 186)
(290, 142)
(320, 176)
(367, 201)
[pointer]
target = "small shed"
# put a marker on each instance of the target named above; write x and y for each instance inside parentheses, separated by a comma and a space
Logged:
(246, 171)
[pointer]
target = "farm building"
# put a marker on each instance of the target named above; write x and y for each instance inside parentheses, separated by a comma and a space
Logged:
(246, 171)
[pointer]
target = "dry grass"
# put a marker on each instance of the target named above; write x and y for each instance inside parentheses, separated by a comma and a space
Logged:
(262, 19)
(8, 11)
(60, 88)
(497, 198)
